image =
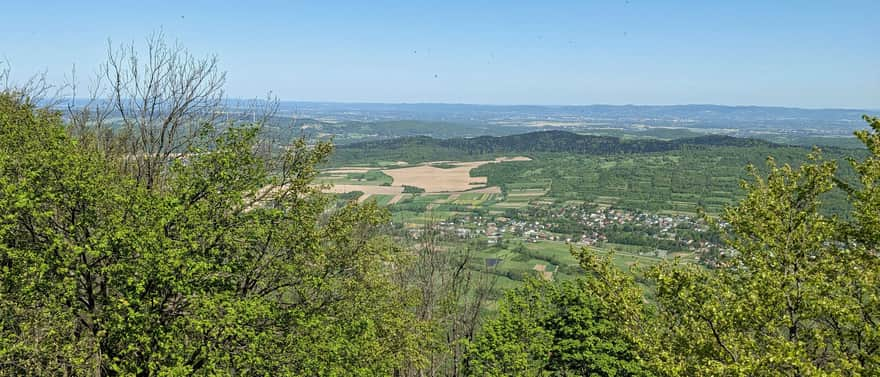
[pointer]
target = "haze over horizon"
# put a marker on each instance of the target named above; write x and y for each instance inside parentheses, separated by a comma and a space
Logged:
(402, 103)
(805, 54)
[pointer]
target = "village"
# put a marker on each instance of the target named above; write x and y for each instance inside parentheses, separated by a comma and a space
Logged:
(651, 234)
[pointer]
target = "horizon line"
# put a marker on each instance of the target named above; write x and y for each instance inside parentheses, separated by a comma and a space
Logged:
(417, 103)
(570, 105)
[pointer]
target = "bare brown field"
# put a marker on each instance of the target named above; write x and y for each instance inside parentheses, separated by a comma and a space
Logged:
(432, 179)
(510, 159)
(436, 180)
(366, 189)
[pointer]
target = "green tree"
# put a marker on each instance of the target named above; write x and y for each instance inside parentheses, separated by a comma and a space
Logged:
(546, 328)
(861, 235)
(233, 265)
(769, 311)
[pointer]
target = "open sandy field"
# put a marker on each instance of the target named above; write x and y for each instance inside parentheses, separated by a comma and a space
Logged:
(437, 180)
(506, 159)
(427, 176)
(366, 189)
(434, 179)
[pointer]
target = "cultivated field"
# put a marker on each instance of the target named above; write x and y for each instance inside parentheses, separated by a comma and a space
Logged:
(433, 177)
(451, 177)
(368, 190)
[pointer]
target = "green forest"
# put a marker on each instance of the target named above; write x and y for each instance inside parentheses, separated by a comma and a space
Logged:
(142, 235)
(424, 148)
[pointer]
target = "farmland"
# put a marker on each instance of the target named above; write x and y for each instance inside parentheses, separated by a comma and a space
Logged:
(679, 176)
(447, 183)
(521, 215)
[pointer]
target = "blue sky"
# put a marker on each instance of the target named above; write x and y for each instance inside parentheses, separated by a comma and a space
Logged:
(788, 53)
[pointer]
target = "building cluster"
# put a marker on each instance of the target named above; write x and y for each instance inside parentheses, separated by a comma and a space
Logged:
(585, 225)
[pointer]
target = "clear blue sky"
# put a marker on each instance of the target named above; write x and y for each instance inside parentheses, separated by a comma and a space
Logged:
(791, 53)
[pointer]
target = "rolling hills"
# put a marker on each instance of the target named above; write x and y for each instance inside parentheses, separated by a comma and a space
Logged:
(423, 148)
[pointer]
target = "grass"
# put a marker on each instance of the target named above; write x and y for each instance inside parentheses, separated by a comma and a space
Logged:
(381, 199)
(372, 177)
(518, 259)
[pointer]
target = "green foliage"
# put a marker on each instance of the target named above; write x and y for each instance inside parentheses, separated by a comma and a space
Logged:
(372, 177)
(412, 189)
(444, 165)
(351, 195)
(865, 193)
(560, 329)
(412, 149)
(776, 307)
(232, 267)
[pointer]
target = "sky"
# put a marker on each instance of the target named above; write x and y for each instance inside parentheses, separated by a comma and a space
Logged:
(814, 54)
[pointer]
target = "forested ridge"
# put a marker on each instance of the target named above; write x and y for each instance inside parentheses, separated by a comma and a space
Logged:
(179, 243)
(533, 142)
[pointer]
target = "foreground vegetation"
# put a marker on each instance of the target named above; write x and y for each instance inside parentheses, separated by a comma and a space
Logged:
(200, 273)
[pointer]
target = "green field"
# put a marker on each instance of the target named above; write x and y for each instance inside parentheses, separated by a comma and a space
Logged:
(516, 261)
(672, 182)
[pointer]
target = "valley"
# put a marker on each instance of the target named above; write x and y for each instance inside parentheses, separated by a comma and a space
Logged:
(519, 205)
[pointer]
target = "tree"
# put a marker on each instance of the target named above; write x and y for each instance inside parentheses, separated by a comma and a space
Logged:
(234, 267)
(861, 235)
(150, 103)
(564, 328)
(452, 296)
(772, 310)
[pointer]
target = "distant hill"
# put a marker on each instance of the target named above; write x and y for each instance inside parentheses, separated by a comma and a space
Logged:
(422, 148)
(755, 115)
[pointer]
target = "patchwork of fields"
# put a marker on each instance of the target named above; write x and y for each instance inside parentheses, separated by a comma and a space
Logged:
(469, 197)
(678, 182)
(440, 184)
(446, 190)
